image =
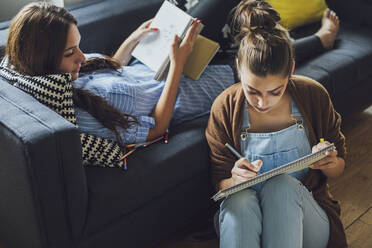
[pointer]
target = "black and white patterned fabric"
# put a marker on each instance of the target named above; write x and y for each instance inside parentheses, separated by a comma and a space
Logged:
(55, 91)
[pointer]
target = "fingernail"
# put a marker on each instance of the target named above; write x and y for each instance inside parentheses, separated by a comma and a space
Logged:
(155, 29)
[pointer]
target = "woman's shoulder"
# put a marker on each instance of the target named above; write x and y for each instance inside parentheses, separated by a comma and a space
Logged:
(305, 86)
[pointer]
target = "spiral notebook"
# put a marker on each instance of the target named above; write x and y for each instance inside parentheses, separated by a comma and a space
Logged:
(293, 166)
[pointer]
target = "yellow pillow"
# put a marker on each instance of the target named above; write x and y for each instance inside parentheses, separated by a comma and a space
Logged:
(295, 13)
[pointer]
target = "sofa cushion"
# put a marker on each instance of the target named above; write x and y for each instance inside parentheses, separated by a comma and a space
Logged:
(300, 12)
(341, 68)
(152, 171)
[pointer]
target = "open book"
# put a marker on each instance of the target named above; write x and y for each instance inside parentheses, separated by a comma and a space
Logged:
(153, 50)
(296, 165)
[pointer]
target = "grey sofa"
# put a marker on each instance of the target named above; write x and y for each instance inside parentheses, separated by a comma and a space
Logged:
(48, 199)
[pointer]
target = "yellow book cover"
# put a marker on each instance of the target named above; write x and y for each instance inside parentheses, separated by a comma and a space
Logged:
(202, 53)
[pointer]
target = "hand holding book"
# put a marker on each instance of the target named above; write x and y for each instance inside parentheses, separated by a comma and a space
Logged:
(141, 31)
(331, 165)
(181, 49)
(153, 49)
(124, 53)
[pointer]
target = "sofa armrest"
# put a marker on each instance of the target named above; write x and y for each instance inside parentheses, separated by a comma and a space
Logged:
(43, 192)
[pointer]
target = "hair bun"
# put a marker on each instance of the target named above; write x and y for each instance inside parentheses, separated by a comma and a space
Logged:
(254, 16)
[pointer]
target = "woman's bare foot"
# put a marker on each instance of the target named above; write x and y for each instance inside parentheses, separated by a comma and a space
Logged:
(329, 29)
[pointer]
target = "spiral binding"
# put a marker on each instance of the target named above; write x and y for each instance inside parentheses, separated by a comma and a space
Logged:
(293, 166)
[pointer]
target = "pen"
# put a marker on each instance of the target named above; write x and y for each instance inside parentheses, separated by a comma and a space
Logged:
(125, 167)
(237, 154)
(166, 137)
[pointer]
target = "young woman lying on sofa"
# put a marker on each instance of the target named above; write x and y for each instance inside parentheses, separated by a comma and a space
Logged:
(112, 99)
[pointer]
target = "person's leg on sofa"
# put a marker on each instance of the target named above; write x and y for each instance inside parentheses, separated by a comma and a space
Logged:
(215, 13)
(305, 47)
(319, 42)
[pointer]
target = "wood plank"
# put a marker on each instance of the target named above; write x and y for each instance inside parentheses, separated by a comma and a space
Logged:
(360, 232)
(354, 188)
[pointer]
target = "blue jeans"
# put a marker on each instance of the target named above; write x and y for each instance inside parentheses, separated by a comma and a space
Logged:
(282, 214)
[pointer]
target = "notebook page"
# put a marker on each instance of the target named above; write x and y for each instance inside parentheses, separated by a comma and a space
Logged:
(154, 48)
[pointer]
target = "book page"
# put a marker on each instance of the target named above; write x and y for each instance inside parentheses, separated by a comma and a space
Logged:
(154, 48)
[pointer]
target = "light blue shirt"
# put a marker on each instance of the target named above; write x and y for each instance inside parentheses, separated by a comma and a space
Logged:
(133, 90)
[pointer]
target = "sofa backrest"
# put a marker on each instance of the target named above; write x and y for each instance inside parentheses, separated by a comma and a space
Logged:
(105, 24)
(43, 192)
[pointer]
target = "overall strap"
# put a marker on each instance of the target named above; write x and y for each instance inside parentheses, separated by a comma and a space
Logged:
(294, 110)
(246, 122)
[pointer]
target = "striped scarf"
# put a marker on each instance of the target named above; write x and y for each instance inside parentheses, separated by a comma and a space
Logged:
(55, 91)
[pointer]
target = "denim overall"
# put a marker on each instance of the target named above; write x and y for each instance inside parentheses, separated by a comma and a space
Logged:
(280, 212)
(275, 148)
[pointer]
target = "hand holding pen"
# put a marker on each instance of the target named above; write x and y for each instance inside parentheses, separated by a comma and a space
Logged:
(243, 169)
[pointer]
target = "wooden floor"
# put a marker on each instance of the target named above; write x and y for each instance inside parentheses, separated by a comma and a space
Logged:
(353, 189)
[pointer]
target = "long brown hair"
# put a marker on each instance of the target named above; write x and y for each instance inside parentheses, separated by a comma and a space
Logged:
(265, 47)
(35, 45)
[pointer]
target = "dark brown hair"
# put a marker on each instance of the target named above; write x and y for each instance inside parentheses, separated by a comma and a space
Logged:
(35, 45)
(265, 47)
(37, 38)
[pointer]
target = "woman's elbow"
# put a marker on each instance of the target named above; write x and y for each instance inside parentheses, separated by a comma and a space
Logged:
(156, 132)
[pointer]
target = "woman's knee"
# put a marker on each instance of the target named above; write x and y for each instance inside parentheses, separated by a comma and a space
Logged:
(241, 203)
(279, 187)
(240, 212)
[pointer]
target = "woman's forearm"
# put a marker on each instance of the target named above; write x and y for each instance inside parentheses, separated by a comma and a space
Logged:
(164, 108)
(124, 53)
(180, 50)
